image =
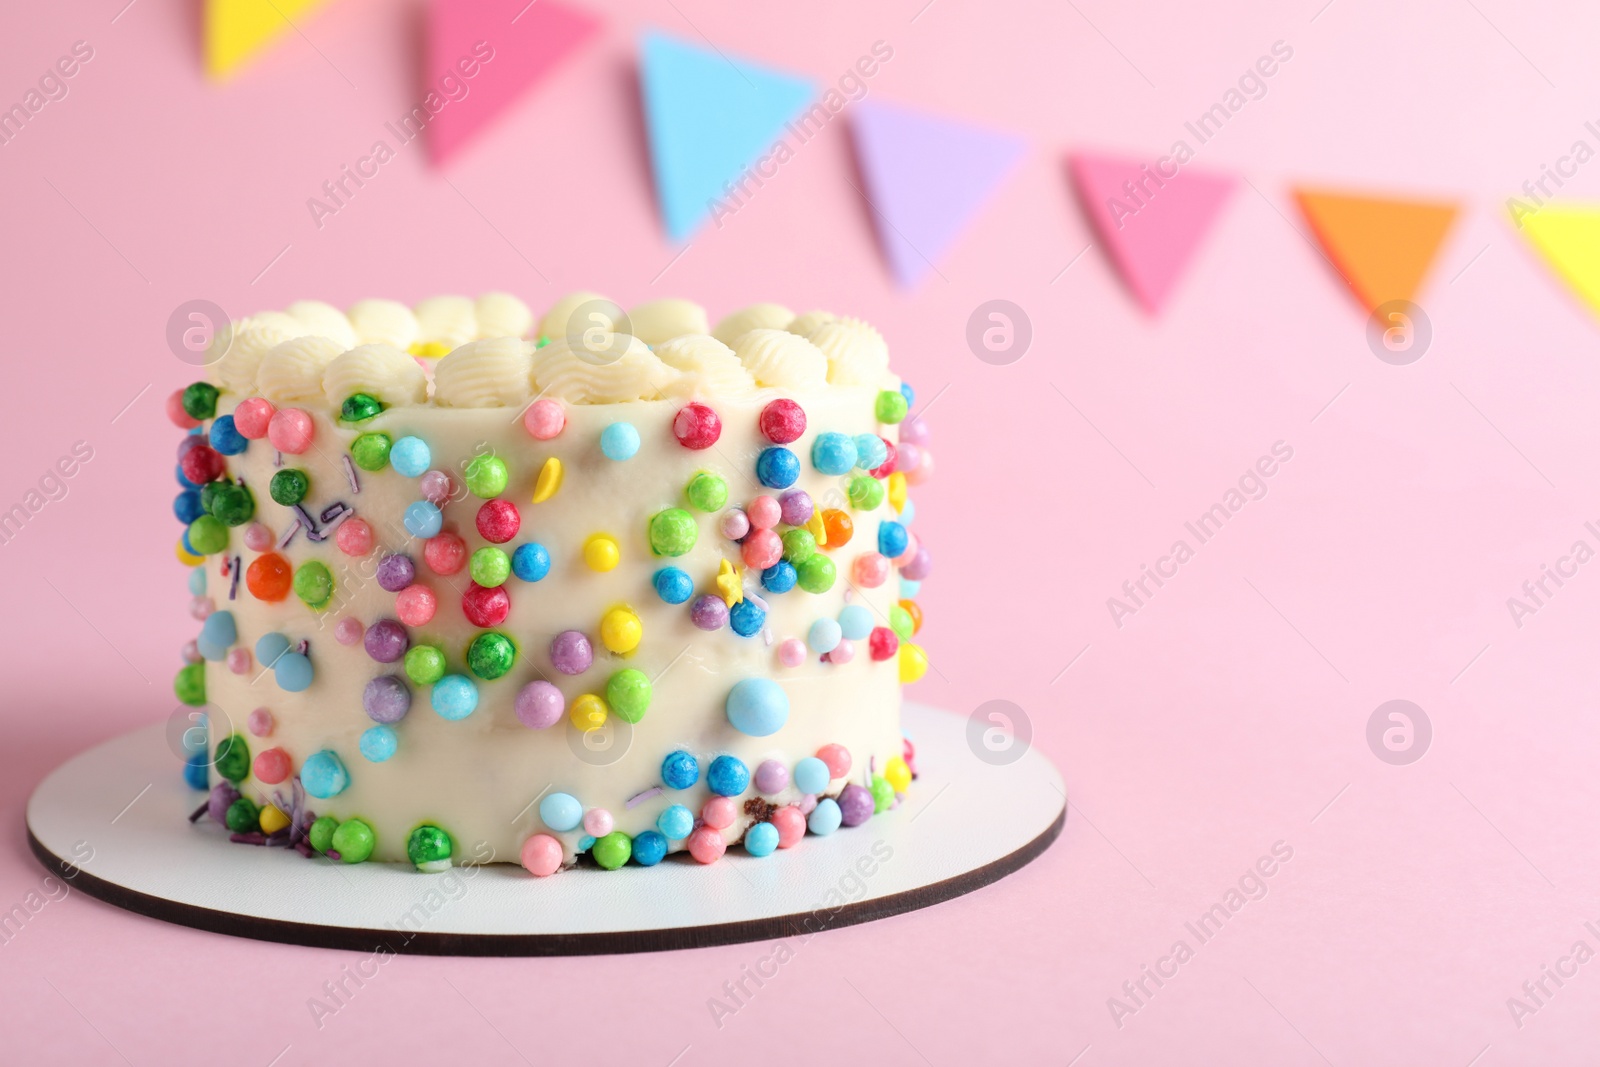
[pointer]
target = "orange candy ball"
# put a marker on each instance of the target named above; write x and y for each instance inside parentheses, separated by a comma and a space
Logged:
(269, 577)
(915, 612)
(839, 526)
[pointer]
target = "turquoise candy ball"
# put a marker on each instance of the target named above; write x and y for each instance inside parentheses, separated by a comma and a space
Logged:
(323, 774)
(855, 621)
(825, 817)
(619, 441)
(454, 697)
(270, 647)
(811, 775)
(411, 457)
(871, 452)
(758, 707)
(561, 812)
(833, 453)
(761, 839)
(379, 742)
(423, 519)
(675, 823)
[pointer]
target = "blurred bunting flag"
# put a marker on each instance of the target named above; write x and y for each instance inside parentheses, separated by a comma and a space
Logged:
(1381, 247)
(236, 30)
(1569, 240)
(927, 176)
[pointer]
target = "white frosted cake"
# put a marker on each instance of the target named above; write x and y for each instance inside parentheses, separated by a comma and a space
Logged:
(475, 588)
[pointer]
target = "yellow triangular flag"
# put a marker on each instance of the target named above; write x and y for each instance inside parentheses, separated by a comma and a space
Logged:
(238, 29)
(1569, 240)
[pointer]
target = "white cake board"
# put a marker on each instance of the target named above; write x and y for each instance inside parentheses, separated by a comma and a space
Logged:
(966, 823)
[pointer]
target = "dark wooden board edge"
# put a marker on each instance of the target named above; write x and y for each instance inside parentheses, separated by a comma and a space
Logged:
(427, 943)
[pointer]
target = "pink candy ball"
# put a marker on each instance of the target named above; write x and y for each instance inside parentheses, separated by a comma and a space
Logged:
(597, 822)
(791, 824)
(435, 486)
(541, 855)
(290, 431)
(735, 524)
(415, 604)
(719, 813)
(200, 607)
(843, 652)
(764, 512)
(871, 569)
(914, 431)
(191, 652)
(354, 537)
(349, 631)
(257, 538)
(762, 548)
(272, 766)
(253, 417)
(261, 723)
(919, 566)
(706, 845)
(908, 457)
(912, 544)
(807, 804)
(545, 419)
(924, 470)
(791, 652)
(239, 660)
(538, 705)
(837, 757)
(180, 418)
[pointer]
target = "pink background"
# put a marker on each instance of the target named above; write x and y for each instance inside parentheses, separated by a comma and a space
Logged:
(1225, 716)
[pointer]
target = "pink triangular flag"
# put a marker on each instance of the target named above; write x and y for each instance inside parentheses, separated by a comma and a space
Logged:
(1151, 217)
(483, 54)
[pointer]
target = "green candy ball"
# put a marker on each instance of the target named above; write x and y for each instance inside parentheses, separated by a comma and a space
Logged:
(190, 684)
(612, 850)
(672, 532)
(882, 794)
(242, 816)
(371, 451)
(424, 664)
(208, 495)
(354, 841)
(890, 406)
(900, 622)
(359, 407)
(707, 491)
(628, 693)
(798, 545)
(866, 493)
(200, 400)
(429, 848)
(490, 566)
(487, 476)
(491, 655)
(207, 535)
(233, 505)
(289, 486)
(817, 573)
(313, 584)
(233, 758)
(320, 835)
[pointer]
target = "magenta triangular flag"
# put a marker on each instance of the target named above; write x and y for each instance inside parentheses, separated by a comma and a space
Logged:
(482, 55)
(926, 177)
(1151, 217)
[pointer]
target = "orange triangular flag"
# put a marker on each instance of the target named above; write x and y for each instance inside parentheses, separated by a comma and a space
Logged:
(1381, 247)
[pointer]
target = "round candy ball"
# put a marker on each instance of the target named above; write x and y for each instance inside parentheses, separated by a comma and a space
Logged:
(242, 816)
(621, 630)
(561, 812)
(354, 841)
(619, 441)
(429, 848)
(782, 421)
(349, 631)
(411, 457)
(445, 554)
(747, 617)
(386, 699)
(791, 652)
(871, 451)
(539, 705)
(777, 467)
(323, 774)
(395, 572)
(892, 538)
(920, 566)
(798, 545)
(649, 849)
(491, 656)
(719, 812)
(882, 794)
(252, 417)
(485, 605)
(454, 697)
(672, 532)
(290, 431)
(883, 643)
(865, 492)
(601, 553)
(570, 652)
(811, 775)
(855, 621)
(272, 766)
(201, 464)
(833, 453)
(180, 418)
(436, 487)
(378, 743)
(232, 758)
(386, 640)
(544, 419)
(675, 823)
(898, 774)
(707, 492)
(825, 817)
(796, 507)
(269, 577)
(260, 722)
(531, 561)
(187, 507)
(843, 652)
(588, 712)
(708, 612)
(673, 585)
(293, 672)
(890, 406)
(855, 804)
(416, 605)
(816, 573)
(320, 834)
(735, 524)
(871, 569)
(839, 527)
(761, 549)
(597, 822)
(226, 438)
(680, 770)
(370, 451)
(486, 476)
(207, 535)
(425, 665)
(423, 518)
(628, 693)
(771, 777)
(359, 407)
(541, 855)
(498, 521)
(706, 845)
(354, 537)
(612, 850)
(696, 426)
(761, 839)
(200, 400)
(728, 776)
(489, 566)
(913, 663)
(779, 578)
(790, 823)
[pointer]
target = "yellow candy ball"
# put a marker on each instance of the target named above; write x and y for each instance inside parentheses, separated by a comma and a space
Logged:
(897, 491)
(898, 774)
(602, 553)
(588, 712)
(272, 820)
(621, 630)
(913, 662)
(186, 558)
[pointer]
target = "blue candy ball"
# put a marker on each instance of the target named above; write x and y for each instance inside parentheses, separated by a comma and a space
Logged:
(855, 622)
(225, 438)
(909, 589)
(187, 507)
(379, 742)
(680, 770)
(561, 812)
(454, 696)
(746, 618)
(833, 453)
(293, 672)
(779, 578)
(870, 451)
(676, 823)
(758, 707)
(892, 538)
(323, 774)
(649, 849)
(423, 519)
(909, 393)
(761, 839)
(270, 647)
(619, 441)
(195, 770)
(908, 511)
(411, 457)
(220, 628)
(727, 776)
(585, 843)
(673, 585)
(184, 482)
(197, 581)
(825, 817)
(209, 649)
(777, 468)
(811, 775)
(823, 637)
(530, 562)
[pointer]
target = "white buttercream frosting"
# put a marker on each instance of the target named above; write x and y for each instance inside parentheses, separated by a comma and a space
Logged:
(782, 360)
(445, 323)
(494, 372)
(623, 369)
(557, 320)
(755, 317)
(806, 324)
(324, 320)
(251, 340)
(379, 370)
(502, 315)
(291, 372)
(857, 353)
(707, 368)
(659, 321)
(386, 322)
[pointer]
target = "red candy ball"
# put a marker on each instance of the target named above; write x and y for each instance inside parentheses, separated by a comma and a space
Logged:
(696, 426)
(269, 577)
(354, 537)
(498, 521)
(489, 607)
(883, 643)
(272, 766)
(444, 553)
(887, 467)
(252, 417)
(783, 421)
(180, 418)
(201, 464)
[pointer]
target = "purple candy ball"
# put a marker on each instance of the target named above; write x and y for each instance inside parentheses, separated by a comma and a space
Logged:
(222, 797)
(387, 640)
(908, 457)
(914, 431)
(709, 613)
(771, 777)
(735, 524)
(396, 572)
(919, 566)
(570, 652)
(386, 699)
(796, 506)
(855, 804)
(540, 704)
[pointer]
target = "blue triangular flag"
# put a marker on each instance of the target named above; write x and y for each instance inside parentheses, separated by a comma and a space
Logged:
(710, 115)
(926, 178)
